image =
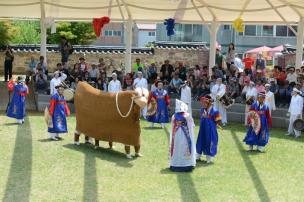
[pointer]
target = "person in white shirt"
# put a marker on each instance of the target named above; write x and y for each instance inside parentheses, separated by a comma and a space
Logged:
(250, 93)
(56, 81)
(295, 110)
(186, 96)
(270, 101)
(93, 72)
(217, 91)
(141, 82)
(291, 75)
(114, 85)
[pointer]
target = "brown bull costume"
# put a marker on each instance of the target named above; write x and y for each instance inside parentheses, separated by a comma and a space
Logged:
(103, 116)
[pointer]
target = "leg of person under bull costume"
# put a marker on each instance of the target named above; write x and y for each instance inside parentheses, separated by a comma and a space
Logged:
(77, 136)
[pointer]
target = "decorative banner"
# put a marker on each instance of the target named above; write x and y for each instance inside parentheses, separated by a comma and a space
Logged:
(98, 24)
(170, 23)
(238, 24)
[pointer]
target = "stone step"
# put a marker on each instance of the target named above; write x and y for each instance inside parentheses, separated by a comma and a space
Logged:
(43, 98)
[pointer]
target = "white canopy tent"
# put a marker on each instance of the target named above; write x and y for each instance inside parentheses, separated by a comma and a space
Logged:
(211, 12)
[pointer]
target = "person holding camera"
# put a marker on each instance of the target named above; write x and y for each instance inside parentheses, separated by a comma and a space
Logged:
(58, 78)
(8, 64)
(40, 81)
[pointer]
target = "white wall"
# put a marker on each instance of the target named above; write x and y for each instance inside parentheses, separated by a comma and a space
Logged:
(144, 38)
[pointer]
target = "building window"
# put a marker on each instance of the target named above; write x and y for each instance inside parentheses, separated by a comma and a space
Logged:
(281, 30)
(250, 30)
(151, 33)
(112, 33)
(116, 33)
(227, 27)
(290, 32)
(267, 30)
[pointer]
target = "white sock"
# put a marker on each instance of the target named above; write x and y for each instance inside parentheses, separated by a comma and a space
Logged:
(208, 158)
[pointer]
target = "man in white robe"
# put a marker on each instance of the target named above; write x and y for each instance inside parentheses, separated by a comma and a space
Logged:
(141, 82)
(182, 146)
(295, 110)
(56, 81)
(270, 101)
(250, 93)
(217, 91)
(186, 96)
(114, 85)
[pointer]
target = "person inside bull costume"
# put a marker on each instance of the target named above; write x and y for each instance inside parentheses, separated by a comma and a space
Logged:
(120, 118)
(58, 111)
(16, 107)
(259, 122)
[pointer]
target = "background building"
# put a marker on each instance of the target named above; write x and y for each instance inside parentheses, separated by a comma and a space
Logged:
(253, 36)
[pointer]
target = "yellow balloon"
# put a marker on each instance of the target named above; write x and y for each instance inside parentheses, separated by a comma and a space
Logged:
(238, 24)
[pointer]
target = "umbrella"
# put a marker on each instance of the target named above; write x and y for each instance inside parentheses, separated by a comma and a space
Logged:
(259, 49)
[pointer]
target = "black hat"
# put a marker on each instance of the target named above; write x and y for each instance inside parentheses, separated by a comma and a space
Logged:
(59, 86)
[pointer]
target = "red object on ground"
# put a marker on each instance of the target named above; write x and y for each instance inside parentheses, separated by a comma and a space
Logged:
(98, 24)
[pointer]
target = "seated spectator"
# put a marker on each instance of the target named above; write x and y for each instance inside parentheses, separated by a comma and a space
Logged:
(298, 71)
(291, 75)
(274, 88)
(238, 63)
(166, 71)
(175, 84)
(218, 73)
(86, 77)
(190, 72)
(233, 87)
(197, 72)
(31, 70)
(260, 63)
(40, 81)
(259, 76)
(93, 72)
(203, 89)
(260, 86)
(152, 73)
(138, 66)
(245, 89)
(282, 94)
(204, 71)
(128, 82)
(75, 72)
(243, 79)
(83, 65)
(182, 71)
(42, 65)
(101, 84)
(75, 83)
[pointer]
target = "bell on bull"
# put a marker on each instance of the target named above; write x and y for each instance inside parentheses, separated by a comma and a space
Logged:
(110, 117)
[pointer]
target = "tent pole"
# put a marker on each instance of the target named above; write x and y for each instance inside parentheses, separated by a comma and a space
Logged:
(300, 37)
(43, 31)
(212, 51)
(128, 55)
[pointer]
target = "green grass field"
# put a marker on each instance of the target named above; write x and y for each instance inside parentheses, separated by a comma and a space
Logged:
(32, 168)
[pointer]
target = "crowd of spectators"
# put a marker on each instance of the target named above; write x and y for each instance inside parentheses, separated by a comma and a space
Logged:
(236, 74)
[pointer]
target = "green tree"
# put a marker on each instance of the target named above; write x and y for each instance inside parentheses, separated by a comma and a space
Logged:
(79, 33)
(4, 34)
(25, 32)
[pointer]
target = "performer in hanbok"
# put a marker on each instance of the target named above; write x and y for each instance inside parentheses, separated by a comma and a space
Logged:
(17, 105)
(251, 96)
(58, 111)
(186, 96)
(270, 101)
(162, 99)
(217, 91)
(295, 110)
(207, 139)
(259, 136)
(182, 148)
(141, 82)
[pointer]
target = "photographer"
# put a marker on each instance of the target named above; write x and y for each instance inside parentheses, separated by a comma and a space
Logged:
(8, 64)
(41, 81)
(65, 49)
(56, 80)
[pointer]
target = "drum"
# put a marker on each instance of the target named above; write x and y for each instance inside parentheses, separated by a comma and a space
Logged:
(298, 124)
(255, 121)
(152, 107)
(68, 94)
(226, 101)
(250, 101)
